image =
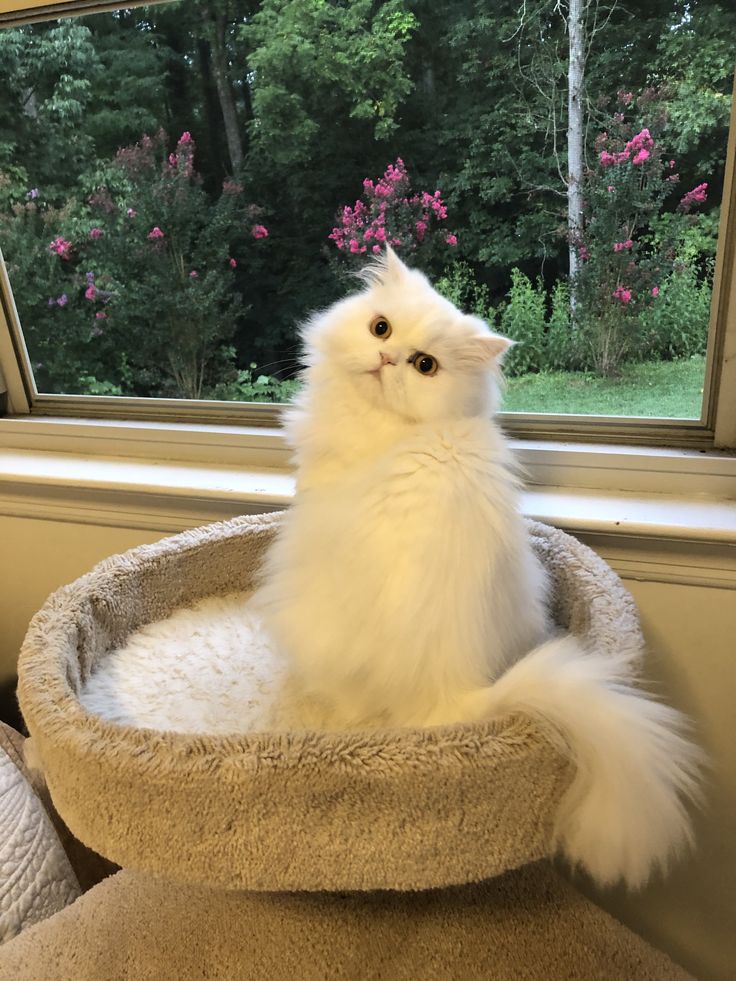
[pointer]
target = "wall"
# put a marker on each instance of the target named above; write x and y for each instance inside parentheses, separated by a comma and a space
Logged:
(36, 557)
(690, 630)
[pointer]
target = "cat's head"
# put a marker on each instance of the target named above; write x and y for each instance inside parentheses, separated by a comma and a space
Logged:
(403, 347)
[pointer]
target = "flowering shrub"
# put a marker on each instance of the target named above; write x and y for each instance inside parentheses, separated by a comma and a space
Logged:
(627, 251)
(390, 213)
(140, 279)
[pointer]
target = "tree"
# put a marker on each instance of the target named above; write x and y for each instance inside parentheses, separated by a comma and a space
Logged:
(216, 20)
(575, 131)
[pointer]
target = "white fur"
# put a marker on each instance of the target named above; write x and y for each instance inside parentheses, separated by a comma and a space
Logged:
(623, 814)
(402, 584)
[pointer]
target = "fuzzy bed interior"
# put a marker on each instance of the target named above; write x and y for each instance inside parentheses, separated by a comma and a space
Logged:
(208, 668)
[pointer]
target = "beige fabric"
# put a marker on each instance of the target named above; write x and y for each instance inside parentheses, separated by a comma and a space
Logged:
(314, 811)
(302, 810)
(526, 924)
(36, 879)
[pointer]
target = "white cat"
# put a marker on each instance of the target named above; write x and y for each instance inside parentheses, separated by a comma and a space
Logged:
(402, 588)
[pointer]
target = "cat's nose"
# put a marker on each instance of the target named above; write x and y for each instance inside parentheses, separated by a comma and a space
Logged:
(387, 359)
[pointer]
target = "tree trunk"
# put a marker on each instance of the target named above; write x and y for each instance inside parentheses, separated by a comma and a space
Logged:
(576, 80)
(217, 24)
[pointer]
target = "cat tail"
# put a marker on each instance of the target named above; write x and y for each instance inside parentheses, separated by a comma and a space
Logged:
(624, 814)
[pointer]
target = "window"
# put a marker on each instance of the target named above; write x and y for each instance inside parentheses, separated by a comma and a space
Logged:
(181, 183)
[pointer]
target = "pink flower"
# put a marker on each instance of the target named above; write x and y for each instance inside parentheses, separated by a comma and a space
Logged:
(611, 188)
(356, 247)
(655, 291)
(101, 315)
(194, 274)
(259, 231)
(381, 234)
(131, 212)
(62, 300)
(622, 294)
(421, 228)
(697, 196)
(641, 157)
(606, 158)
(671, 164)
(62, 247)
(376, 248)
(451, 239)
(186, 137)
(232, 263)
(90, 293)
(96, 233)
(155, 234)
(622, 246)
(583, 252)
(625, 98)
(642, 140)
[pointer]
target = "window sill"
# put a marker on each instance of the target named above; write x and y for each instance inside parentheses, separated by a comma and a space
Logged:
(643, 533)
(546, 463)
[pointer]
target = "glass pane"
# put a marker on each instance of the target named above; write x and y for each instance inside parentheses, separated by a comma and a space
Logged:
(181, 184)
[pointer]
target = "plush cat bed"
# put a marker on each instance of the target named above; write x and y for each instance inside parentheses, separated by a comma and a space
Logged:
(198, 819)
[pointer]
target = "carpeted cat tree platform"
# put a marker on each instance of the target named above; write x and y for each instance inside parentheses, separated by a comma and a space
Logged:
(396, 855)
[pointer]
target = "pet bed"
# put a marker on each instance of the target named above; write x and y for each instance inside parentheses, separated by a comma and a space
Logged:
(297, 854)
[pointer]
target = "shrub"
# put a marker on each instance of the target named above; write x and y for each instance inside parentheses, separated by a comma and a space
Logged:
(248, 386)
(459, 285)
(133, 290)
(626, 250)
(564, 347)
(390, 213)
(523, 320)
(675, 325)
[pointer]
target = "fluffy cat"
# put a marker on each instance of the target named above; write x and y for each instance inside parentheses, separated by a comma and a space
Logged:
(403, 591)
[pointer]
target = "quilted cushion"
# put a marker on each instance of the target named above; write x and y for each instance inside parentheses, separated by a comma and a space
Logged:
(36, 879)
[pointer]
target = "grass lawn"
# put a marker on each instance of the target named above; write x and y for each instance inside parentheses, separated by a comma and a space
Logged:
(668, 389)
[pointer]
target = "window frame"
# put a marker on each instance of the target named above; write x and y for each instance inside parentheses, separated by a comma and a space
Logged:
(715, 429)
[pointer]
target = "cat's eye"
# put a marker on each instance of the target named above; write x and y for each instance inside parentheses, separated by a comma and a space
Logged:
(425, 363)
(380, 327)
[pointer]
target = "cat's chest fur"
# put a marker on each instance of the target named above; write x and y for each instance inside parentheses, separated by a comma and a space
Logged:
(402, 558)
(341, 442)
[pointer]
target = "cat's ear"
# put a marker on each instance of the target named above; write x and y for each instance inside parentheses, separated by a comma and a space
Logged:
(485, 348)
(394, 268)
(386, 269)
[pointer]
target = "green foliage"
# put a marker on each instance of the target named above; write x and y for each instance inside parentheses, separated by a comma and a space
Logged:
(249, 386)
(459, 285)
(563, 344)
(675, 325)
(346, 56)
(523, 320)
